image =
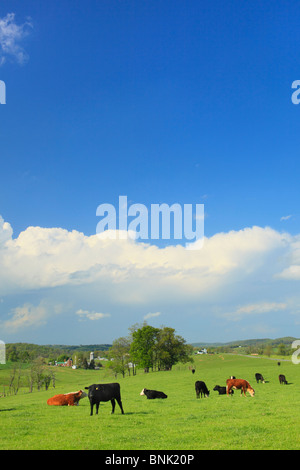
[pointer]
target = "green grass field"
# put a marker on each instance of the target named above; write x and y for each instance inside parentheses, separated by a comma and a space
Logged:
(270, 420)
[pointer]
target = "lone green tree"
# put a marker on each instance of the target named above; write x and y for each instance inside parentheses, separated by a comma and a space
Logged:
(143, 346)
(158, 348)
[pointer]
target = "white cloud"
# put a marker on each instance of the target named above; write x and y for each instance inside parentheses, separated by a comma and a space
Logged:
(261, 308)
(12, 36)
(152, 315)
(26, 316)
(291, 270)
(51, 257)
(126, 275)
(85, 314)
(31, 316)
(285, 217)
(255, 309)
(5, 231)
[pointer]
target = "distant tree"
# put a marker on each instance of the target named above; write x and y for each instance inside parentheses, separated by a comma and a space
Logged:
(119, 353)
(13, 355)
(268, 350)
(143, 347)
(38, 372)
(47, 379)
(171, 349)
(62, 358)
(282, 349)
(85, 364)
(24, 356)
(158, 348)
(14, 380)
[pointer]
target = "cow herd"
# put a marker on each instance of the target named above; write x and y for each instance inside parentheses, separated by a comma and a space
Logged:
(233, 384)
(111, 392)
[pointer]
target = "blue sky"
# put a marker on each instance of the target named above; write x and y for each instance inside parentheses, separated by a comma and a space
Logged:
(162, 101)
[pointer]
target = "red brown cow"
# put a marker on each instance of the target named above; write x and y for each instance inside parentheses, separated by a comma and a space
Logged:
(239, 384)
(67, 399)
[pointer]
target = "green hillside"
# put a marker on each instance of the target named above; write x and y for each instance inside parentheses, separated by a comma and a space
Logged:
(287, 340)
(269, 420)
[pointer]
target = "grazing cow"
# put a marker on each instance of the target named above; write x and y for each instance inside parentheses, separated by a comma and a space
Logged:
(239, 384)
(104, 392)
(282, 379)
(151, 394)
(259, 377)
(201, 388)
(67, 399)
(221, 390)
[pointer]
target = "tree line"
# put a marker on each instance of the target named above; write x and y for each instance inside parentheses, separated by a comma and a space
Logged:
(28, 352)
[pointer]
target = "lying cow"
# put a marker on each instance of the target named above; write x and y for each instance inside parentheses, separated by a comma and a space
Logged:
(104, 392)
(222, 390)
(259, 377)
(151, 394)
(239, 384)
(201, 389)
(67, 399)
(282, 379)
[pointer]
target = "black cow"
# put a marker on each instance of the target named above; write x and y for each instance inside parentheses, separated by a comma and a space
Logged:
(259, 377)
(222, 390)
(201, 388)
(151, 394)
(282, 379)
(104, 392)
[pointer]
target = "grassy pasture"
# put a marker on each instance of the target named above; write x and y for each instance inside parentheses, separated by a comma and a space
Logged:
(270, 420)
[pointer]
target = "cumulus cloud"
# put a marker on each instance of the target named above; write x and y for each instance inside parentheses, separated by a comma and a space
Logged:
(85, 314)
(50, 257)
(12, 36)
(53, 257)
(126, 275)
